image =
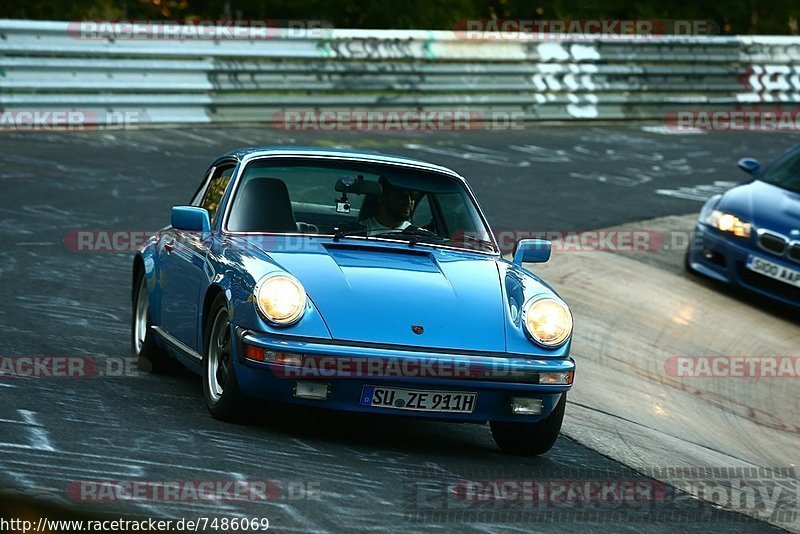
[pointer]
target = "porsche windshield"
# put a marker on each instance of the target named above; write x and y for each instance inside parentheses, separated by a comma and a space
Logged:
(347, 198)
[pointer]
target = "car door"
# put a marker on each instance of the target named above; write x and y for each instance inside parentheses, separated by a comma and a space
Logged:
(184, 260)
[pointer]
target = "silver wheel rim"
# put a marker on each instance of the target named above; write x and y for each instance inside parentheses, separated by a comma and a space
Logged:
(219, 355)
(140, 317)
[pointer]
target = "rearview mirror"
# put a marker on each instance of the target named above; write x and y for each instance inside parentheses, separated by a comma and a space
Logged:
(533, 251)
(749, 165)
(358, 186)
(190, 219)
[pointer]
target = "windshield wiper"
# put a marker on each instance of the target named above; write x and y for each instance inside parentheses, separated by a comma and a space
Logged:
(340, 233)
(414, 234)
(479, 241)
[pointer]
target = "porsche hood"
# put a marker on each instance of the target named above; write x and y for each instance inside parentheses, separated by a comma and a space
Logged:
(418, 297)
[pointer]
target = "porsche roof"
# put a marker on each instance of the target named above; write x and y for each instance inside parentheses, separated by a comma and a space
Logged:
(377, 157)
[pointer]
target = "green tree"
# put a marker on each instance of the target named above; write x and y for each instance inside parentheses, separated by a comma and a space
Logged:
(732, 16)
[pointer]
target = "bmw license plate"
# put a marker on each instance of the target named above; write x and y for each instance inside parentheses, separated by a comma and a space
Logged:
(773, 270)
(421, 401)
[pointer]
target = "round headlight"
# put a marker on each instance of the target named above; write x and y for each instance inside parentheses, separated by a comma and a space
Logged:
(281, 299)
(548, 321)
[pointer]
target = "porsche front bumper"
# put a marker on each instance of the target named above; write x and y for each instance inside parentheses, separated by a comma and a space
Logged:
(348, 368)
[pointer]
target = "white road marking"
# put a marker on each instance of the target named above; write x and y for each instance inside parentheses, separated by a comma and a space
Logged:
(700, 193)
(193, 136)
(666, 130)
(38, 435)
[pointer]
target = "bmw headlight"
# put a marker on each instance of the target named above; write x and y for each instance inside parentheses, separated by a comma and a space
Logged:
(726, 222)
(281, 299)
(548, 321)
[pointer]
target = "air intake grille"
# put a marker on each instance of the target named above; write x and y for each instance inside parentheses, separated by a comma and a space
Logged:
(794, 252)
(773, 243)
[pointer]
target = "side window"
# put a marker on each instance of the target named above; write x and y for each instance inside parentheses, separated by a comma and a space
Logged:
(215, 191)
(422, 213)
(198, 195)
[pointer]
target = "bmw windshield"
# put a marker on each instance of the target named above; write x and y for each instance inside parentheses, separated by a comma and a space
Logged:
(785, 172)
(366, 200)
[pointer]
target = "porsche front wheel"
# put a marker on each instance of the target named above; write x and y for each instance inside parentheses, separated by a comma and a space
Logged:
(224, 398)
(530, 439)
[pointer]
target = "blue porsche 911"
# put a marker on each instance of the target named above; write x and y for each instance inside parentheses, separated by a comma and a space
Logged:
(357, 282)
(750, 236)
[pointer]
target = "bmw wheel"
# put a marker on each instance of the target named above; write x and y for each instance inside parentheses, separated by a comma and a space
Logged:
(687, 258)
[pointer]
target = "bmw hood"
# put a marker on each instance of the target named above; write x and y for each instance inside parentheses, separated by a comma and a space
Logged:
(417, 297)
(765, 206)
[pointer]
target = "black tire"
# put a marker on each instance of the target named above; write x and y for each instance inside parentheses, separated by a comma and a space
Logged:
(687, 265)
(143, 343)
(530, 439)
(224, 399)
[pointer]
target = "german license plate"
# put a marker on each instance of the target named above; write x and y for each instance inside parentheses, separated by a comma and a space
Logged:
(773, 270)
(418, 400)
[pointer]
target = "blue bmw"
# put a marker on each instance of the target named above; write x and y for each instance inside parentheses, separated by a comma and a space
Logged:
(357, 282)
(750, 236)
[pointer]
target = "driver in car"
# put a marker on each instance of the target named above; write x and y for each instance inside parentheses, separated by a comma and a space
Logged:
(394, 210)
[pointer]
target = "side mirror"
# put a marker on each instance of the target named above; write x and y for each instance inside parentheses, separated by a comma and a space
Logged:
(749, 165)
(533, 251)
(190, 219)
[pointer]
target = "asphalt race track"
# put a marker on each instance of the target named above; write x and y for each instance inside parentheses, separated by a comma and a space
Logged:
(626, 419)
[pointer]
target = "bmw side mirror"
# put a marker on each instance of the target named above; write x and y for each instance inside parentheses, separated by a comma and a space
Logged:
(190, 219)
(749, 165)
(532, 251)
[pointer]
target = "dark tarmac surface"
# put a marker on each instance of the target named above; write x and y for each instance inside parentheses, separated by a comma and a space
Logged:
(333, 472)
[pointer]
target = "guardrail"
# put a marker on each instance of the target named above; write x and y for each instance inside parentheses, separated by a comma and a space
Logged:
(43, 65)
